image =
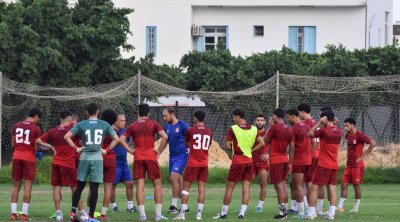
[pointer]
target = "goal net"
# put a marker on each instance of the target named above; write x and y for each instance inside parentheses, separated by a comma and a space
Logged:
(373, 101)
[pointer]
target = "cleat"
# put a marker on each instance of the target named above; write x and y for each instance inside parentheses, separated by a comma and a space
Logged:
(83, 218)
(173, 210)
(131, 210)
(281, 217)
(292, 212)
(96, 214)
(53, 216)
(115, 209)
(142, 218)
(329, 217)
(341, 210)
(92, 220)
(258, 209)
(73, 217)
(103, 218)
(198, 217)
(299, 216)
(241, 217)
(321, 213)
(25, 217)
(160, 217)
(13, 217)
(179, 217)
(59, 218)
(354, 210)
(219, 216)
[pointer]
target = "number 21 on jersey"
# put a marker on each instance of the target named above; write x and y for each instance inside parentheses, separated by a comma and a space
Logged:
(201, 141)
(19, 136)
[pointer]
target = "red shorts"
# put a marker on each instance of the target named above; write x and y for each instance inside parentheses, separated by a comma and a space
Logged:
(63, 176)
(140, 167)
(353, 175)
(260, 166)
(301, 169)
(308, 176)
(22, 169)
(193, 174)
(240, 172)
(278, 172)
(109, 170)
(325, 176)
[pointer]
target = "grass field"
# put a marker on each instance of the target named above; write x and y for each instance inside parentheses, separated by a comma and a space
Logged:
(379, 203)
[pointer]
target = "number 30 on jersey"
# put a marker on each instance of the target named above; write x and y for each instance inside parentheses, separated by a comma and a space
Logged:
(201, 141)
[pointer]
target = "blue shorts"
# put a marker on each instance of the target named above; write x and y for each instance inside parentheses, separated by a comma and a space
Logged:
(178, 163)
(122, 174)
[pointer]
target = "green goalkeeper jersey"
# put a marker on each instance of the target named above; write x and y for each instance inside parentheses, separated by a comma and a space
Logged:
(92, 133)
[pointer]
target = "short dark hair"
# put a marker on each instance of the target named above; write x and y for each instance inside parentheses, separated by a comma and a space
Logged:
(260, 115)
(329, 114)
(92, 109)
(110, 116)
(326, 108)
(292, 112)
(65, 114)
(239, 112)
(35, 112)
(74, 114)
(304, 107)
(350, 120)
(200, 115)
(170, 110)
(279, 113)
(144, 109)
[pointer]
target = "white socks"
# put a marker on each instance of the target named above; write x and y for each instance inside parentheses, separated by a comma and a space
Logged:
(25, 207)
(311, 211)
(158, 209)
(130, 204)
(224, 210)
(357, 204)
(294, 205)
(200, 207)
(341, 202)
(14, 208)
(320, 204)
(305, 201)
(115, 204)
(260, 204)
(300, 208)
(331, 211)
(243, 209)
(104, 210)
(141, 210)
(174, 202)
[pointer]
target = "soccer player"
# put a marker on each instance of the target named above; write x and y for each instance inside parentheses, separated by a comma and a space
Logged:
(240, 138)
(142, 132)
(63, 172)
(178, 154)
(24, 136)
(301, 159)
(76, 139)
(92, 132)
(354, 171)
(280, 137)
(260, 162)
(198, 138)
(327, 169)
(123, 173)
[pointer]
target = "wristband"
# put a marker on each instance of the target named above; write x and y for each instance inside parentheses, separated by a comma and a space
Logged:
(108, 150)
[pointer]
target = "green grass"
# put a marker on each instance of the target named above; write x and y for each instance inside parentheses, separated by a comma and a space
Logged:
(379, 203)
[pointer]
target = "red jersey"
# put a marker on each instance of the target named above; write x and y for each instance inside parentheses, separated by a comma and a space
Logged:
(281, 135)
(238, 157)
(329, 138)
(311, 123)
(263, 150)
(142, 132)
(25, 134)
(355, 146)
(199, 139)
(65, 155)
(110, 155)
(302, 144)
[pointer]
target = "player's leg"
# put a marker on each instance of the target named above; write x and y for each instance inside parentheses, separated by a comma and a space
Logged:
(57, 200)
(129, 195)
(278, 173)
(358, 174)
(343, 194)
(262, 174)
(201, 199)
(293, 195)
(139, 174)
(76, 197)
(298, 179)
(106, 200)
(82, 211)
(174, 179)
(117, 179)
(17, 177)
(190, 175)
(248, 175)
(332, 193)
(230, 186)
(29, 173)
(312, 201)
(154, 174)
(94, 187)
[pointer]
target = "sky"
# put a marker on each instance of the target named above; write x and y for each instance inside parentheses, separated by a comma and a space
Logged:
(396, 10)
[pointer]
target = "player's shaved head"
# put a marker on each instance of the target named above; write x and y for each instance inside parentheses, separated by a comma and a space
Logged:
(110, 116)
(200, 115)
(144, 109)
(92, 109)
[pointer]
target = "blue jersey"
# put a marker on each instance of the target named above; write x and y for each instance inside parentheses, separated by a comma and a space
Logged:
(176, 137)
(120, 151)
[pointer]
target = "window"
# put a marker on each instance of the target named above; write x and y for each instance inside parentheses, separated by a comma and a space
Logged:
(302, 38)
(258, 30)
(214, 36)
(386, 28)
(151, 40)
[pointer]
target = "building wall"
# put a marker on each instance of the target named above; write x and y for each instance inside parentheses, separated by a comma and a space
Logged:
(376, 22)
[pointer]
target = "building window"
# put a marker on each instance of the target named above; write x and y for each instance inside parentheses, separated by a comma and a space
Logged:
(214, 36)
(386, 28)
(151, 40)
(302, 38)
(258, 30)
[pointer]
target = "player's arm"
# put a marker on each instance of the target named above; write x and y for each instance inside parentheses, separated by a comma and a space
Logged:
(260, 144)
(313, 146)
(122, 141)
(113, 143)
(315, 128)
(371, 146)
(291, 155)
(163, 143)
(47, 146)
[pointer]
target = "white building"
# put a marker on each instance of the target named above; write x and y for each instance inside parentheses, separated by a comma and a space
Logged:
(171, 28)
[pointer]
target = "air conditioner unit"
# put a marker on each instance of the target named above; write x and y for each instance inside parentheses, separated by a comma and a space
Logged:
(196, 30)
